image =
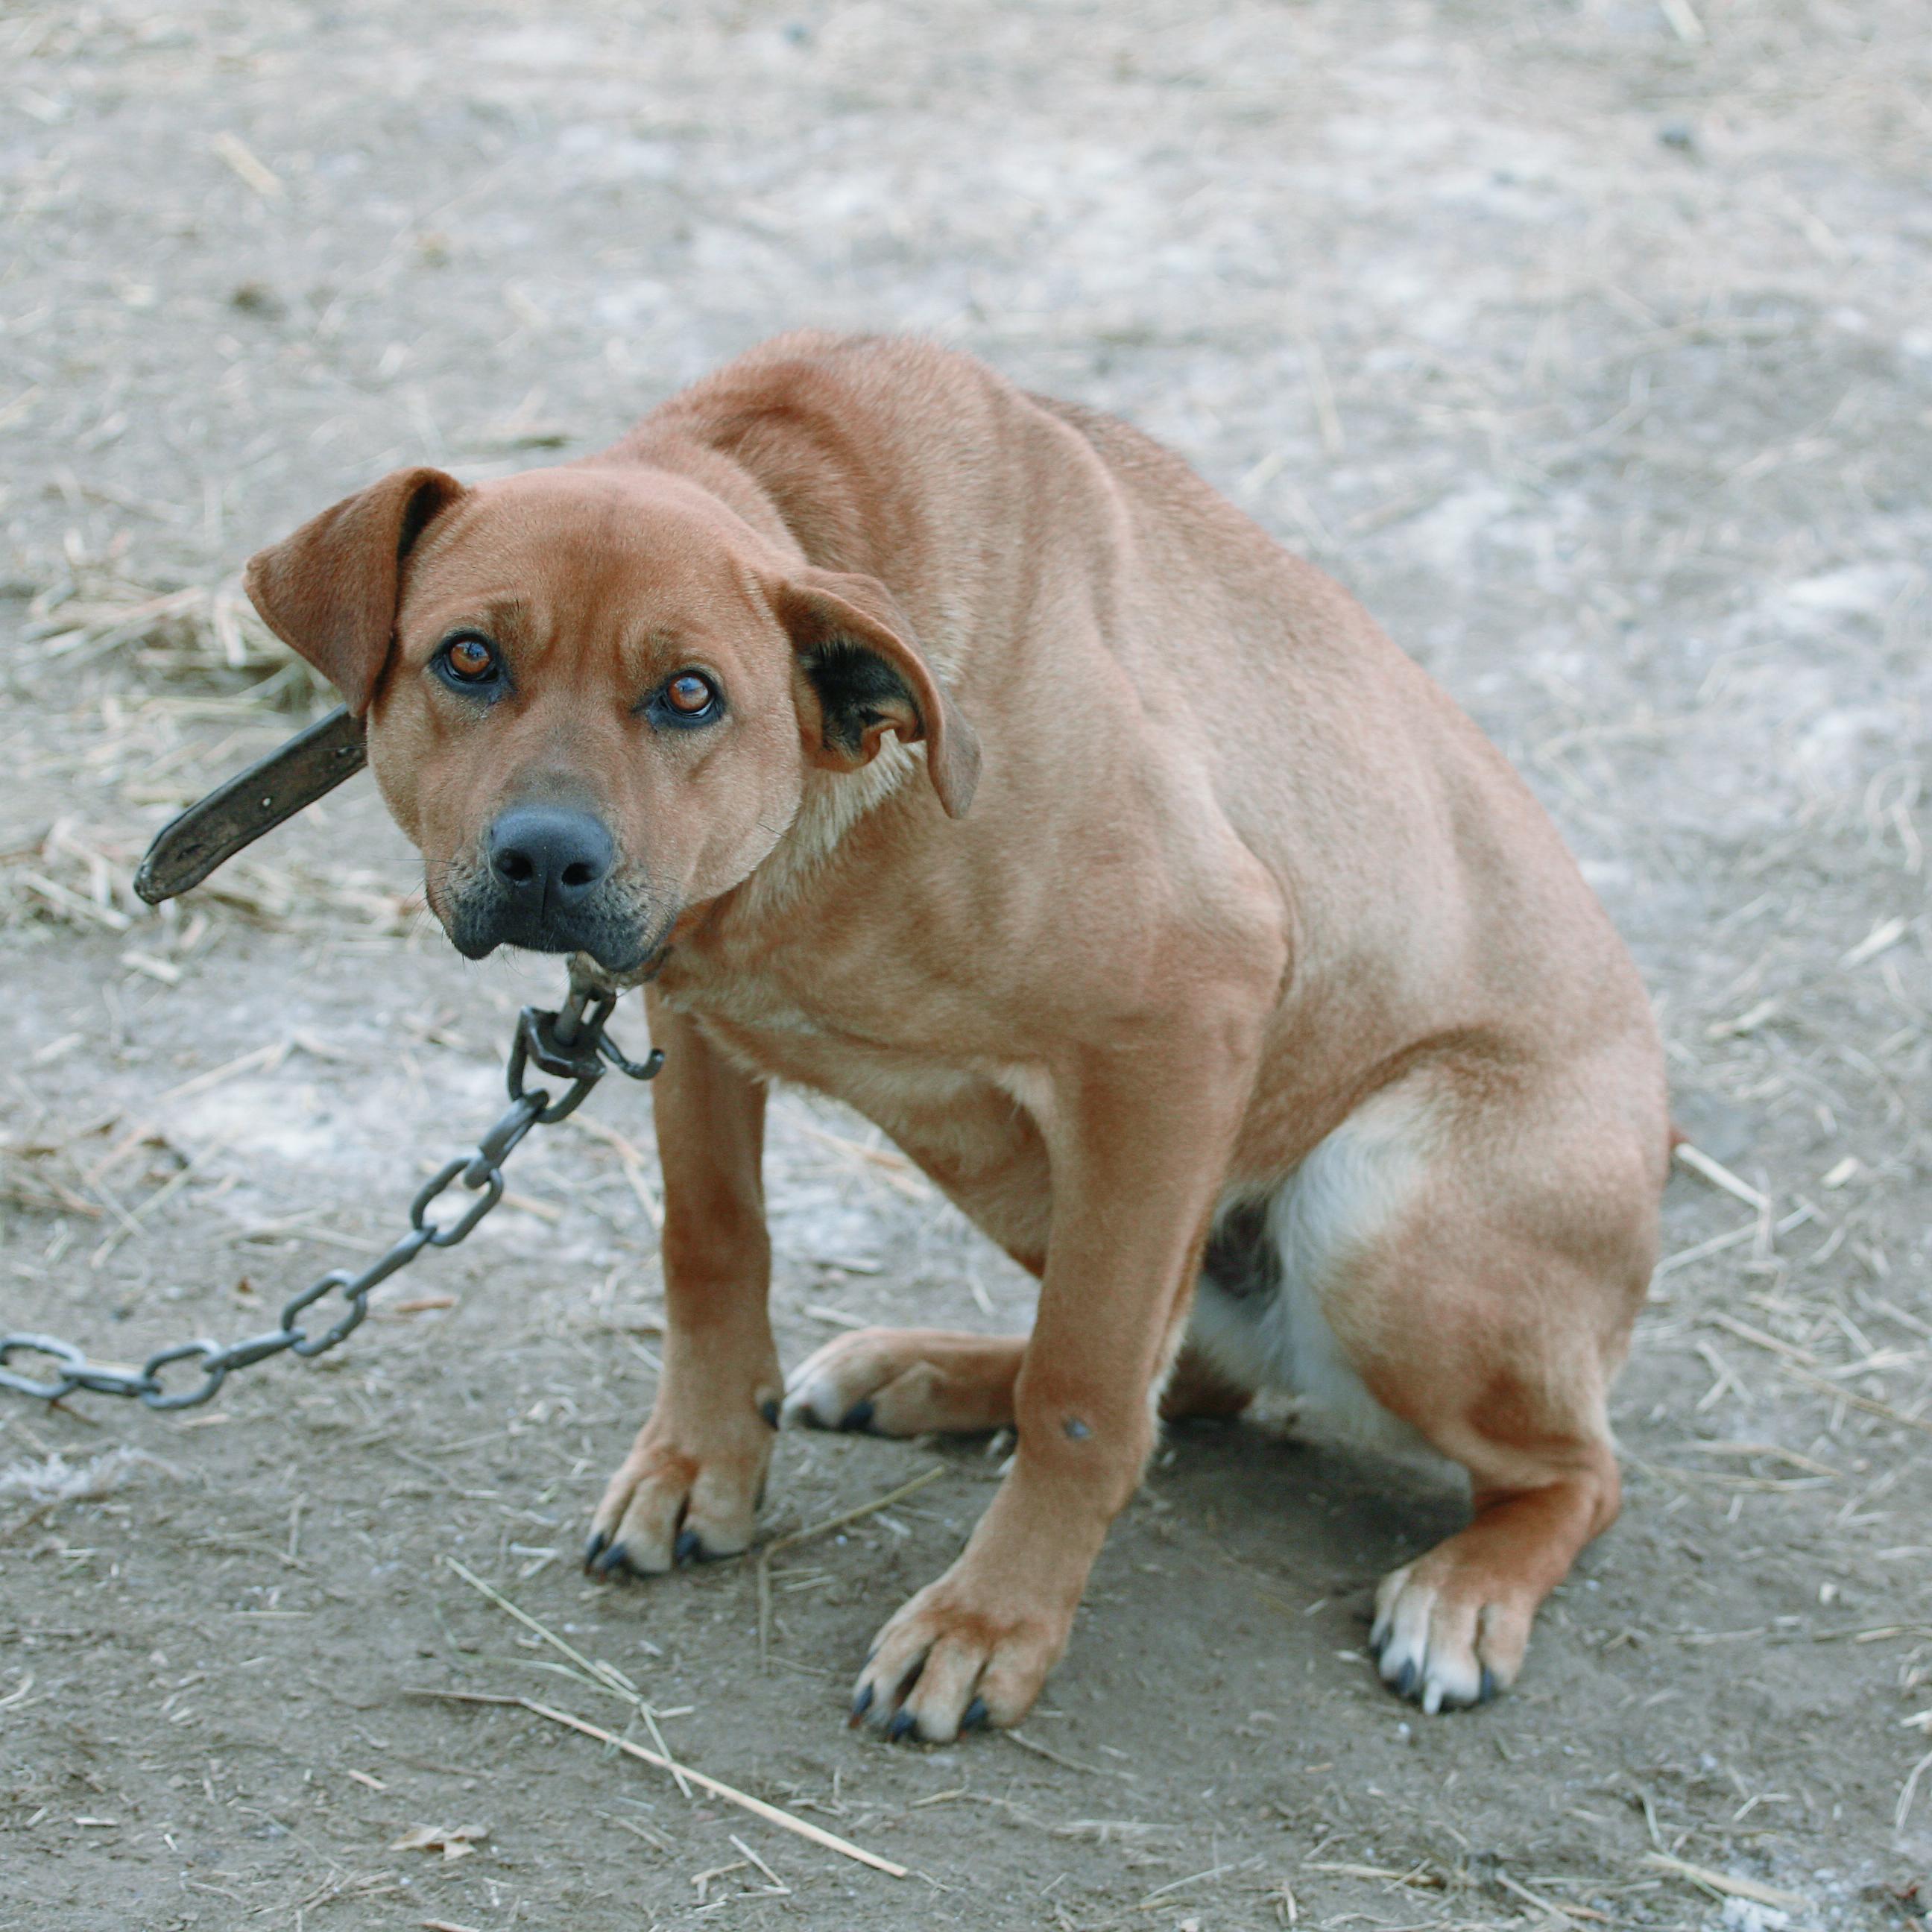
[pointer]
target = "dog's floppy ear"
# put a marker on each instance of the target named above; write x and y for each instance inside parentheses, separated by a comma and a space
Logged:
(330, 591)
(864, 677)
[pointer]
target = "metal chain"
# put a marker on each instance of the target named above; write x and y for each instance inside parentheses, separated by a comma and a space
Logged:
(569, 1042)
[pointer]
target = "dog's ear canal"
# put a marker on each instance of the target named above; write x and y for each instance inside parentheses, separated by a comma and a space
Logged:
(331, 590)
(861, 676)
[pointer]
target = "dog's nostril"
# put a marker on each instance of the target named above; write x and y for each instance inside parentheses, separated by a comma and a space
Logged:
(550, 856)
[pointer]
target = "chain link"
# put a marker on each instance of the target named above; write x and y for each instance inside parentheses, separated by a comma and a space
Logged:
(569, 1043)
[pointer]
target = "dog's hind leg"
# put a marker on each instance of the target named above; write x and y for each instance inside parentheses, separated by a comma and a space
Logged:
(1489, 1312)
(916, 1382)
(1451, 1628)
(990, 1162)
(913, 1381)
(1197, 1391)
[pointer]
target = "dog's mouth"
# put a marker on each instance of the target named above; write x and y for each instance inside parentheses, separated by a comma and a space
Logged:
(627, 942)
(625, 959)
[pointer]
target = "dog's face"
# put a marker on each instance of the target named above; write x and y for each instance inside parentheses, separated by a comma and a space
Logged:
(594, 694)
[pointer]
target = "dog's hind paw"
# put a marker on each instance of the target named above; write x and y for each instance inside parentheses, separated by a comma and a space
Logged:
(906, 1381)
(1443, 1645)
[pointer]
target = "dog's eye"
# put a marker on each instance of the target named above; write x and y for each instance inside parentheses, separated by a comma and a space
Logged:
(469, 659)
(689, 697)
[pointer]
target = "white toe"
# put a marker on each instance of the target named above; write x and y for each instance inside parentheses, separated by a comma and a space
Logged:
(813, 1395)
(1420, 1657)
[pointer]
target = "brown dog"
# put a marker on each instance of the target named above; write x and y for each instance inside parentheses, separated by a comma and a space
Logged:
(960, 753)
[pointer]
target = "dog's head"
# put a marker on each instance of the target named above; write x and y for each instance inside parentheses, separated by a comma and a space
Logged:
(594, 694)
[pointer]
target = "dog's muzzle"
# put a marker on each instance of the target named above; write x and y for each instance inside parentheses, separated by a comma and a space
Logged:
(549, 883)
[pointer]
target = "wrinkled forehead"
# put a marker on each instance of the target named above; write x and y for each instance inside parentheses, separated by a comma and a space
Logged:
(570, 550)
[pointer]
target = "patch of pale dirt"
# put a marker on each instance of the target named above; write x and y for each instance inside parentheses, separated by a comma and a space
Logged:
(1587, 342)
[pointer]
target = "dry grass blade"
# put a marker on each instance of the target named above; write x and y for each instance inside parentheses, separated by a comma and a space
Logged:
(1867, 1405)
(1744, 1332)
(599, 1675)
(64, 900)
(1723, 1882)
(838, 1522)
(1071, 1763)
(1683, 22)
(265, 1058)
(1808, 1463)
(1900, 1814)
(1718, 1175)
(198, 632)
(1567, 1915)
(717, 1787)
(778, 1884)
(1801, 1365)
(1420, 1875)
(173, 1185)
(21, 1187)
(249, 165)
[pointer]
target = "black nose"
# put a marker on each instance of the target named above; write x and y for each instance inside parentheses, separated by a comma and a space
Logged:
(549, 857)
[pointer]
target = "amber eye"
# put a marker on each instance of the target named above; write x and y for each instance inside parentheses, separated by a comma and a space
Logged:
(690, 694)
(470, 659)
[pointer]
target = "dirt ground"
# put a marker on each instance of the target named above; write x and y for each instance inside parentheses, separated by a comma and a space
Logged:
(1588, 342)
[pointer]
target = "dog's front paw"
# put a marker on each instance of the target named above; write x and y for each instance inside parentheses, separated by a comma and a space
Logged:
(958, 1656)
(684, 1494)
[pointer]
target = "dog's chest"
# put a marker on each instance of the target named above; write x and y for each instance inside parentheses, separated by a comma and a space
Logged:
(869, 1057)
(759, 1006)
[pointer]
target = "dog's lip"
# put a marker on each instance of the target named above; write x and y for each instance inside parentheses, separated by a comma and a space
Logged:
(634, 971)
(634, 968)
(622, 979)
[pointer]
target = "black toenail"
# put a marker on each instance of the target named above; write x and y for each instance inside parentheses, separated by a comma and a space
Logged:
(688, 1547)
(861, 1702)
(902, 1722)
(1404, 1681)
(615, 1561)
(595, 1548)
(769, 1409)
(1488, 1689)
(975, 1715)
(858, 1418)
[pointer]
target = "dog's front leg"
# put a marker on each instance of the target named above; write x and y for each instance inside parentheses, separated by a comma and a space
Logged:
(1139, 1145)
(690, 1486)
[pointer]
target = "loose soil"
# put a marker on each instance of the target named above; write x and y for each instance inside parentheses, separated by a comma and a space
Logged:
(1587, 342)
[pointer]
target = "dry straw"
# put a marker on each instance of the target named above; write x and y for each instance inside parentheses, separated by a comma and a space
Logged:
(595, 1674)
